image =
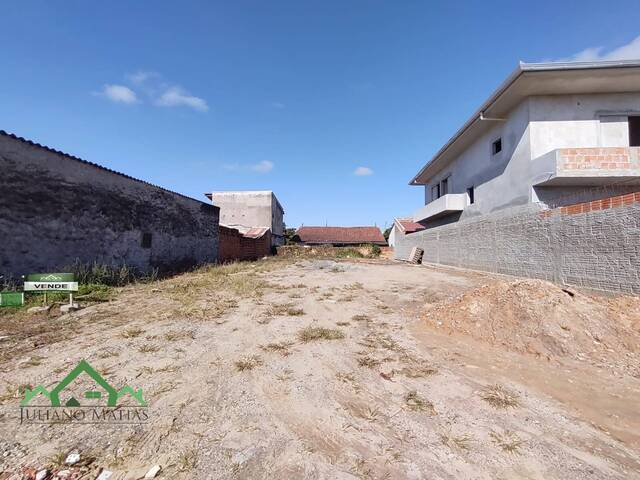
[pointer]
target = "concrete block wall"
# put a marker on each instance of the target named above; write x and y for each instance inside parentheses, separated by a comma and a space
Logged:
(57, 209)
(592, 244)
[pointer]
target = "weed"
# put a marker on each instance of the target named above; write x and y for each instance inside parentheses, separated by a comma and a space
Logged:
(368, 413)
(248, 363)
(368, 361)
(163, 388)
(360, 318)
(347, 298)
(456, 442)
(281, 309)
(499, 397)
(187, 460)
(174, 335)
(148, 348)
(132, 332)
(14, 392)
(281, 347)
(285, 376)
(418, 404)
(108, 353)
(58, 458)
(507, 441)
(354, 286)
(343, 324)
(33, 361)
(310, 334)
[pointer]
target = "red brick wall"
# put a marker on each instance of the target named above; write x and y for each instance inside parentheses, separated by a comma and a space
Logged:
(602, 204)
(234, 246)
(595, 158)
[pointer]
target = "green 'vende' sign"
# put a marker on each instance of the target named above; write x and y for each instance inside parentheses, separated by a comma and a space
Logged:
(11, 299)
(50, 282)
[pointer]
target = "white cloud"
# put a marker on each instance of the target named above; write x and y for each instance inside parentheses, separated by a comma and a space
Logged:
(362, 171)
(630, 51)
(141, 76)
(119, 94)
(265, 166)
(178, 97)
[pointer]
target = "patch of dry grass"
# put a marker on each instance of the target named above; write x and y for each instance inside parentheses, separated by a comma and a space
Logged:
(174, 335)
(343, 324)
(507, 441)
(148, 348)
(415, 402)
(132, 332)
(248, 363)
(310, 334)
(360, 318)
(499, 397)
(187, 460)
(456, 442)
(282, 309)
(368, 361)
(14, 392)
(283, 348)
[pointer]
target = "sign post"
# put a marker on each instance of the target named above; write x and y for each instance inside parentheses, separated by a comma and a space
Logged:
(51, 282)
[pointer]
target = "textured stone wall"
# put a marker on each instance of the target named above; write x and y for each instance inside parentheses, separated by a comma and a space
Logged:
(57, 209)
(593, 244)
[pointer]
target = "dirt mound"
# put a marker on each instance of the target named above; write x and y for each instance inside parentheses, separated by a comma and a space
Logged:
(543, 319)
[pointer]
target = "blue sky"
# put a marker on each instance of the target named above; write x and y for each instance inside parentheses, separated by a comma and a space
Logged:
(334, 105)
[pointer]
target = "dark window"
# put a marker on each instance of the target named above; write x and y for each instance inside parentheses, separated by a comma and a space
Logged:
(634, 131)
(470, 195)
(445, 186)
(146, 240)
(496, 147)
(435, 192)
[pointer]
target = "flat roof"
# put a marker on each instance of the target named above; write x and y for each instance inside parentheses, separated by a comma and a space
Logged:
(530, 79)
(245, 192)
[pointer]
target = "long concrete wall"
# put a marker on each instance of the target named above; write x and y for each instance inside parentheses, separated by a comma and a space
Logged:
(57, 209)
(593, 244)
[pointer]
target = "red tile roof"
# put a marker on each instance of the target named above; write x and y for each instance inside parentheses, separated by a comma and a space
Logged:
(341, 235)
(408, 225)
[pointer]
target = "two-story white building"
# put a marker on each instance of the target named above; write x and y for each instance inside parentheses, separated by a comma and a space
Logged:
(551, 133)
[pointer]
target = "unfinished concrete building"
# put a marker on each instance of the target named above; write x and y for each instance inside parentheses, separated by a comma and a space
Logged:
(542, 181)
(245, 210)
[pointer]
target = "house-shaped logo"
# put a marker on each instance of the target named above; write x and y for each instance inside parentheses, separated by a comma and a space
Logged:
(106, 392)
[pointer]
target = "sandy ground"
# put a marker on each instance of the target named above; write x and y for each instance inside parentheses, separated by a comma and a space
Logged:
(397, 385)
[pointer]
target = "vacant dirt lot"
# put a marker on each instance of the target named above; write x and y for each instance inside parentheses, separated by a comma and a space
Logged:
(350, 369)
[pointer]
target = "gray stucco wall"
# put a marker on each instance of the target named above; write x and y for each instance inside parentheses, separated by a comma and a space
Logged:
(56, 209)
(598, 249)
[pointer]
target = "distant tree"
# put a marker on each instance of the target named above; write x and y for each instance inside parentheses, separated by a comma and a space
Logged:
(290, 236)
(386, 233)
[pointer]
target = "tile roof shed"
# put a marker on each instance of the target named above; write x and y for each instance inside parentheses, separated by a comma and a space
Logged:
(340, 235)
